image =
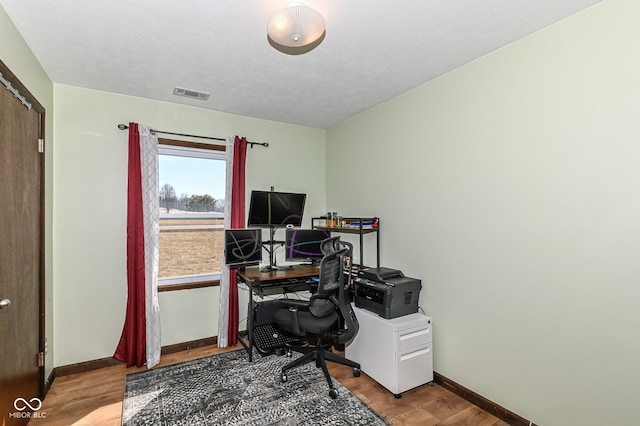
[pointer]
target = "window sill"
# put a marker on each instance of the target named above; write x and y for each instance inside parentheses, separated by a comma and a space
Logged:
(188, 286)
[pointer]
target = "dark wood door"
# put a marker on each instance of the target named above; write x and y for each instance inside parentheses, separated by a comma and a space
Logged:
(21, 252)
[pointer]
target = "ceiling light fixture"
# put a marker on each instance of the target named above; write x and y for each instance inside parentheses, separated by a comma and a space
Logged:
(296, 29)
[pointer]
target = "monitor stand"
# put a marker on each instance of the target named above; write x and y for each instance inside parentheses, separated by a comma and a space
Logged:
(269, 246)
(270, 268)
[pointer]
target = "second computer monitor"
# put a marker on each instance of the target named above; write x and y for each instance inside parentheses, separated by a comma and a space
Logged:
(243, 247)
(303, 245)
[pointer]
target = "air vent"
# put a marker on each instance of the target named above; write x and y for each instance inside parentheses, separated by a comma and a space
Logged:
(188, 93)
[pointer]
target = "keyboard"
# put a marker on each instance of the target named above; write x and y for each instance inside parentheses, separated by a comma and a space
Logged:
(284, 282)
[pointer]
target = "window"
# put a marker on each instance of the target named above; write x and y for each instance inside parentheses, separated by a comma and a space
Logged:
(192, 189)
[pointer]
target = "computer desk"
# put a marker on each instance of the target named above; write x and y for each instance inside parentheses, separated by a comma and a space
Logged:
(283, 280)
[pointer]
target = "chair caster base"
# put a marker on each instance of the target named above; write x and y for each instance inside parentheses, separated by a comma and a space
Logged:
(333, 393)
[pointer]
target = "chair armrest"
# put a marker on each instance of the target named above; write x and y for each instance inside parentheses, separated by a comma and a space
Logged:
(292, 306)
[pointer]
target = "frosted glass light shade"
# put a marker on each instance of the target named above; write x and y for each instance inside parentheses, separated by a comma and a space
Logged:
(296, 26)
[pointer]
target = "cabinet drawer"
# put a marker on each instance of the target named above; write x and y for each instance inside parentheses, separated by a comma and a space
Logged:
(414, 368)
(413, 338)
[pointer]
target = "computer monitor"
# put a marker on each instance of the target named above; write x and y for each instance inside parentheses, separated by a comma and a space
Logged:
(304, 244)
(278, 209)
(242, 247)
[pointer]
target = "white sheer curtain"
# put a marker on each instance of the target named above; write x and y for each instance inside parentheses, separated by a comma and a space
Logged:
(151, 214)
(223, 309)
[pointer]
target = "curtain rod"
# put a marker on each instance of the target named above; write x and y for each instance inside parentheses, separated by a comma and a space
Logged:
(125, 127)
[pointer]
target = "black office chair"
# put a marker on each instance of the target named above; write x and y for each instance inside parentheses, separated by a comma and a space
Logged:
(325, 320)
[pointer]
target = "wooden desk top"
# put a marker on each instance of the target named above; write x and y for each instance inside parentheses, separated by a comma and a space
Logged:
(297, 271)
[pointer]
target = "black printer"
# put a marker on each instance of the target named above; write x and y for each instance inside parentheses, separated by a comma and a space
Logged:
(387, 292)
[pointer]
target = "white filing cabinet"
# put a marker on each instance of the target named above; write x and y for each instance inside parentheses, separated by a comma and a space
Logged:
(397, 352)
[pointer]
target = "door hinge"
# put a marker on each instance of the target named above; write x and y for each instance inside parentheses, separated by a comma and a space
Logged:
(40, 145)
(40, 359)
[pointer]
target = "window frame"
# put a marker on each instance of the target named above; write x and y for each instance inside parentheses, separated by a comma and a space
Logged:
(183, 148)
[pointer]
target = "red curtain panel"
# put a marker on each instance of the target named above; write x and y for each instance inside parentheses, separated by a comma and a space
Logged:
(237, 221)
(132, 345)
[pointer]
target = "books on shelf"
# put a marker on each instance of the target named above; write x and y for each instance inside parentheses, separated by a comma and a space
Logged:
(355, 223)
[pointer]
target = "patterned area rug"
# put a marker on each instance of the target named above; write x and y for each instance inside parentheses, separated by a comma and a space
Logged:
(226, 390)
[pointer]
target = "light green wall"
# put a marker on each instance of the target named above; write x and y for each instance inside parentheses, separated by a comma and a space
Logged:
(511, 187)
(90, 210)
(15, 53)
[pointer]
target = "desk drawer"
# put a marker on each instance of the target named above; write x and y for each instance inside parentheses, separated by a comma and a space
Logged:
(413, 338)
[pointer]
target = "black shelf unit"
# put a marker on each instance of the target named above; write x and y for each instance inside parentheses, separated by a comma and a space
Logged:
(360, 229)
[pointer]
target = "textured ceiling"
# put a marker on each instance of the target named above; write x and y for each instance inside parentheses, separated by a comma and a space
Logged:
(374, 50)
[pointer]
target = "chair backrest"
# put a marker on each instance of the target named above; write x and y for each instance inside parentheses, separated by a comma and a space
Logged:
(331, 294)
(331, 276)
(329, 245)
(350, 325)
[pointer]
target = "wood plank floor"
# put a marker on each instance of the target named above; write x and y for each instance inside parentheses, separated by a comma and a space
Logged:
(95, 397)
